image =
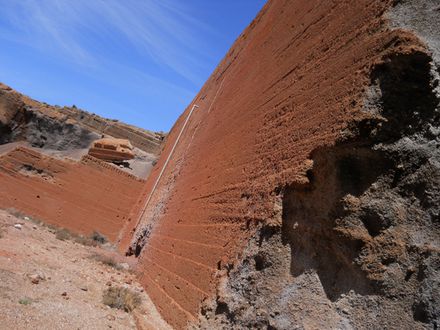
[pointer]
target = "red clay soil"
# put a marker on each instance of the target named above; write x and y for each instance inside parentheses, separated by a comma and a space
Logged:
(85, 196)
(291, 83)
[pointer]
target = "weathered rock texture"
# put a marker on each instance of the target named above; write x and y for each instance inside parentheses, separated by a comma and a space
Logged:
(53, 127)
(45, 171)
(85, 196)
(305, 190)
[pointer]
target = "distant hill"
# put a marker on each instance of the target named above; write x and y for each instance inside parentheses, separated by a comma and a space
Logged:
(63, 128)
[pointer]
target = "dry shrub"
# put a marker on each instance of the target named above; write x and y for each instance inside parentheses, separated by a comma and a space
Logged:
(98, 237)
(106, 260)
(20, 215)
(121, 298)
(93, 240)
(63, 234)
(16, 213)
(86, 241)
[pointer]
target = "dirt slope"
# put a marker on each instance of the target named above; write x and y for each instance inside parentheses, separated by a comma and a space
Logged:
(47, 283)
(304, 191)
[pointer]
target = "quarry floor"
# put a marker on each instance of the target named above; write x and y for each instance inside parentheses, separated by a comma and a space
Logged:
(48, 283)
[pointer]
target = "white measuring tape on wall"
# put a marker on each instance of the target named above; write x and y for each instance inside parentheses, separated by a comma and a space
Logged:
(144, 209)
(166, 162)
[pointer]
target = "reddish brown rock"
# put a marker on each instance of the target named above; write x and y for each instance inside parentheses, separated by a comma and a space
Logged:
(84, 196)
(294, 84)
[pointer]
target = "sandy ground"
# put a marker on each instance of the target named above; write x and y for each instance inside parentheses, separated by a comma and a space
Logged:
(46, 283)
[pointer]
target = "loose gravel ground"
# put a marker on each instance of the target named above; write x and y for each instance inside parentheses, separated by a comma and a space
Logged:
(47, 283)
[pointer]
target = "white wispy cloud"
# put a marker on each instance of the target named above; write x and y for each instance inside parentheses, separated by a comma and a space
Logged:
(163, 30)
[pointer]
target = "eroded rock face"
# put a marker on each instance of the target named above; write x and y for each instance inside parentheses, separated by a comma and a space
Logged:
(67, 128)
(358, 246)
(45, 170)
(85, 196)
(304, 192)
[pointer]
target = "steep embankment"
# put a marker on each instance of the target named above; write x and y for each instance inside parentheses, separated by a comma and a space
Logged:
(305, 189)
(44, 170)
(84, 196)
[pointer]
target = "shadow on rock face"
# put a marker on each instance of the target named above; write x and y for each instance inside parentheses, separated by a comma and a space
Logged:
(372, 205)
(358, 244)
(312, 214)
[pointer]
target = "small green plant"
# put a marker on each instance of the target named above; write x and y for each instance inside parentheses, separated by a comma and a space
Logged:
(121, 298)
(25, 301)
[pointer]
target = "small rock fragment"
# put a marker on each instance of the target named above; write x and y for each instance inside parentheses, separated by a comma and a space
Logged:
(36, 278)
(124, 266)
(18, 226)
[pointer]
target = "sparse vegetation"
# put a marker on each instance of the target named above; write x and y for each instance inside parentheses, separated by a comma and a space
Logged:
(16, 213)
(106, 260)
(25, 301)
(63, 235)
(121, 298)
(20, 215)
(83, 240)
(98, 237)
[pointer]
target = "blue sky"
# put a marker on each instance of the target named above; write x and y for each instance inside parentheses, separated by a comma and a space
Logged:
(139, 61)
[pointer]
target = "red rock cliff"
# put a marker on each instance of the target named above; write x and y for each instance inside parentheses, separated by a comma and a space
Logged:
(294, 82)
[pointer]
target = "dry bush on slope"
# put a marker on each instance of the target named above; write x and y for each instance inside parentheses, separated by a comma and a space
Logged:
(121, 298)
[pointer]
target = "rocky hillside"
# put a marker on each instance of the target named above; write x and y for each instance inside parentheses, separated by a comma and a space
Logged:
(304, 192)
(63, 128)
(45, 170)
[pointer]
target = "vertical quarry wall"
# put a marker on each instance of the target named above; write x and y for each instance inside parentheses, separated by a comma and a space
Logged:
(304, 190)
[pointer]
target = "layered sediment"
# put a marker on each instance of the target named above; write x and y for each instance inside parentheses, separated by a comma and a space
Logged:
(45, 171)
(304, 190)
(83, 197)
(61, 128)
